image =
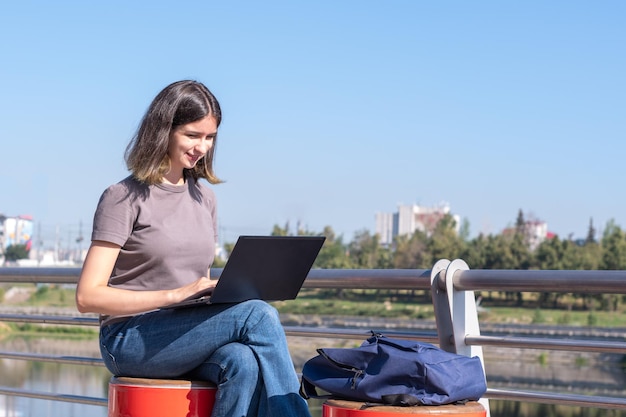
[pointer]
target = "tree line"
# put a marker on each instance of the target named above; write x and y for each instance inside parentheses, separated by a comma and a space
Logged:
(511, 249)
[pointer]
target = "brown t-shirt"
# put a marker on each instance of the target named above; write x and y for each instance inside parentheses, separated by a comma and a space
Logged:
(167, 233)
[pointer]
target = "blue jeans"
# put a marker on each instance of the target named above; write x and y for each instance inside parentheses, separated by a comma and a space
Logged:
(240, 347)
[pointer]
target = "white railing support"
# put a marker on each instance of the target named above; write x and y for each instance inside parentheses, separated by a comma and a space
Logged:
(441, 306)
(456, 313)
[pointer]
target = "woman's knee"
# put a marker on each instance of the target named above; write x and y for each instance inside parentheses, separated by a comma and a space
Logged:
(261, 308)
(235, 360)
(259, 305)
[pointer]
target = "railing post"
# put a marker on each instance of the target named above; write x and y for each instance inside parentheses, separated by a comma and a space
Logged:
(455, 312)
(441, 305)
(464, 312)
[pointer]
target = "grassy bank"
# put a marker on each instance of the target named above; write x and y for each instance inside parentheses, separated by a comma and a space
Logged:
(494, 308)
(49, 330)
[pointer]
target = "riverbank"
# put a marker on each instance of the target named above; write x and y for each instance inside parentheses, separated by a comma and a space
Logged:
(493, 308)
(386, 324)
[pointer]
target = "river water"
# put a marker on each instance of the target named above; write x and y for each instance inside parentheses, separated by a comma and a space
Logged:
(566, 372)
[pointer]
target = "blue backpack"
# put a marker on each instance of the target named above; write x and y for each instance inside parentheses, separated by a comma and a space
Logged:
(395, 372)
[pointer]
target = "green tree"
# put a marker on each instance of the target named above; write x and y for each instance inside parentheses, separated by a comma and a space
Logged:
(613, 247)
(475, 252)
(280, 231)
(464, 230)
(547, 255)
(591, 233)
(445, 243)
(334, 254)
(613, 258)
(586, 257)
(16, 252)
(411, 251)
(520, 251)
(520, 222)
(555, 254)
(521, 257)
(364, 250)
(506, 251)
(589, 256)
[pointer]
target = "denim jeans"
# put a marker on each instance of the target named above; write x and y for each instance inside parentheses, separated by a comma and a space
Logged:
(240, 347)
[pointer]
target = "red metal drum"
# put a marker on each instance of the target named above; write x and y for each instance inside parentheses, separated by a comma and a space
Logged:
(139, 397)
(341, 408)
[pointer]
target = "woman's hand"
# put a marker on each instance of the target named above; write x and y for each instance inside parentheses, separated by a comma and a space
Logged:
(203, 286)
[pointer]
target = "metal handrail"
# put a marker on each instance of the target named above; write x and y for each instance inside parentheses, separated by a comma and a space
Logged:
(80, 399)
(560, 398)
(317, 278)
(67, 360)
(562, 281)
(550, 344)
(64, 320)
(44, 275)
(591, 282)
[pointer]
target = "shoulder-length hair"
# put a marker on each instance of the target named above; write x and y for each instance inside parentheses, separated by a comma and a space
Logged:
(177, 104)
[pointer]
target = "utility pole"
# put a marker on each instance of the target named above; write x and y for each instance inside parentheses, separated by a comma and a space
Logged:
(79, 240)
(39, 244)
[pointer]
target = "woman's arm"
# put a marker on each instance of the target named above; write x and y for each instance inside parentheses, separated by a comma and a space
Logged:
(94, 295)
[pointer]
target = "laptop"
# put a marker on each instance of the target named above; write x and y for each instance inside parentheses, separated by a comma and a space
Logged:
(269, 268)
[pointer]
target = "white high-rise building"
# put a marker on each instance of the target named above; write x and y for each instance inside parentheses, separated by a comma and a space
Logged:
(386, 227)
(410, 218)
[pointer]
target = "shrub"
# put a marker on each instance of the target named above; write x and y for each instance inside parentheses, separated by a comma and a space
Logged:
(538, 317)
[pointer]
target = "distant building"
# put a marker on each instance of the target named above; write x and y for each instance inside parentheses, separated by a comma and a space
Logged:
(535, 232)
(386, 227)
(16, 231)
(410, 218)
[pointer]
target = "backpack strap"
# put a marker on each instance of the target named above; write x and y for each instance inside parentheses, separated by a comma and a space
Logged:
(307, 390)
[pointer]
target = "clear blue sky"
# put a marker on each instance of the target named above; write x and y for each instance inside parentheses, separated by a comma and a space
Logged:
(333, 110)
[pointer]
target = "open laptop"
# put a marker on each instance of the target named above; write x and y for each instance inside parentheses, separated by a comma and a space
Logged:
(269, 268)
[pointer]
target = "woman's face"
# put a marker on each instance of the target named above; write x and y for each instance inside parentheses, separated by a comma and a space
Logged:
(190, 142)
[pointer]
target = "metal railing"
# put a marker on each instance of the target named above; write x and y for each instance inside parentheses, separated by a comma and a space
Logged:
(452, 285)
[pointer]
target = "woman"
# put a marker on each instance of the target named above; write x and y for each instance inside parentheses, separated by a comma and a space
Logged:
(153, 241)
